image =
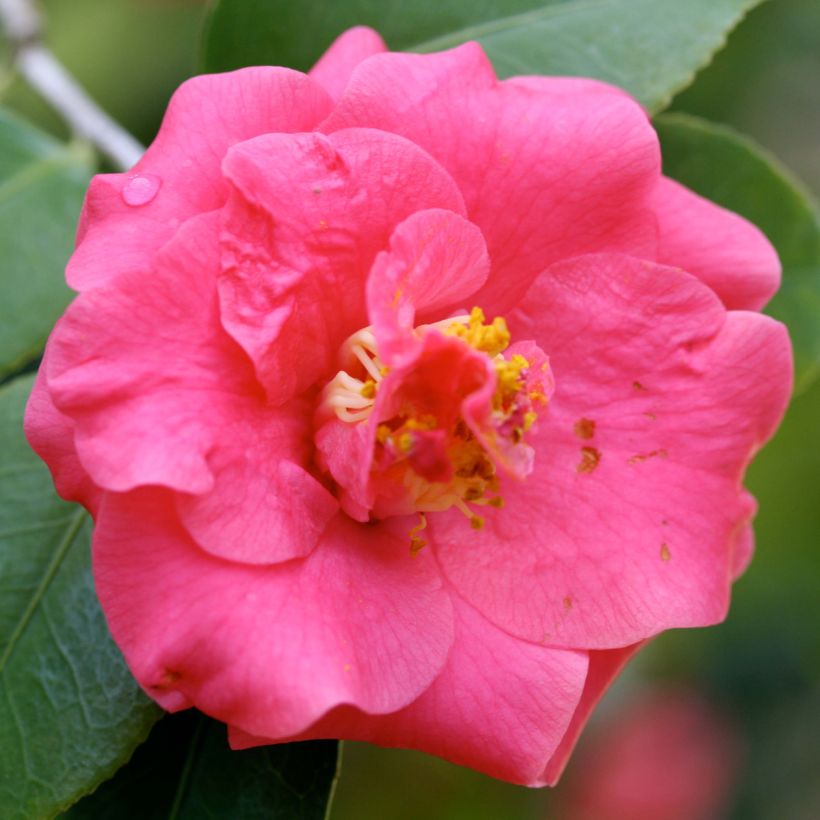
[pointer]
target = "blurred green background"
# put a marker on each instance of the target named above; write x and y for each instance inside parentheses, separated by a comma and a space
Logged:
(762, 667)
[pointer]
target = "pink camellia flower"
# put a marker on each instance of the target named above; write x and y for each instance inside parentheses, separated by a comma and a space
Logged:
(408, 403)
(668, 756)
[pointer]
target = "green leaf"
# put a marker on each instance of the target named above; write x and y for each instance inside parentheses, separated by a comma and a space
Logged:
(70, 711)
(652, 48)
(276, 32)
(186, 771)
(42, 183)
(733, 171)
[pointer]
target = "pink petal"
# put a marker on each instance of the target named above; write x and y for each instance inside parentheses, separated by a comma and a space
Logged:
(722, 249)
(305, 220)
(604, 666)
(500, 706)
(436, 259)
(205, 117)
(335, 66)
(628, 523)
(269, 649)
(443, 377)
(264, 506)
(160, 394)
(142, 367)
(51, 435)
(549, 167)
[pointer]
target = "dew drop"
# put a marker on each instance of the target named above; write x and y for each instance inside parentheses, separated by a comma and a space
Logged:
(140, 189)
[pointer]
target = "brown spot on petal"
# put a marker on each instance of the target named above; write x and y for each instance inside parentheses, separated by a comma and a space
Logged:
(665, 554)
(643, 457)
(567, 602)
(590, 458)
(584, 428)
(651, 416)
(638, 386)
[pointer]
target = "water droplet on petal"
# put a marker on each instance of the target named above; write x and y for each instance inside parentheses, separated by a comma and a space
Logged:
(141, 189)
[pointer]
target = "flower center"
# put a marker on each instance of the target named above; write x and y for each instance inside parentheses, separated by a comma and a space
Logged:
(448, 424)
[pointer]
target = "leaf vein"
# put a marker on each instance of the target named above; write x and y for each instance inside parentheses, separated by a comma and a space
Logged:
(60, 553)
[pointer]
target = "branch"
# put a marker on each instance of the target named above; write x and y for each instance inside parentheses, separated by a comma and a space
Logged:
(46, 74)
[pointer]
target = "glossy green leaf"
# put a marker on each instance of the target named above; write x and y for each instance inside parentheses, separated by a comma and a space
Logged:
(185, 771)
(731, 170)
(42, 183)
(70, 711)
(652, 48)
(276, 32)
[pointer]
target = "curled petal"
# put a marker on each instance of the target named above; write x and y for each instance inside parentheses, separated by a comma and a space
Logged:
(436, 259)
(359, 621)
(144, 369)
(51, 435)
(604, 666)
(264, 506)
(500, 705)
(306, 217)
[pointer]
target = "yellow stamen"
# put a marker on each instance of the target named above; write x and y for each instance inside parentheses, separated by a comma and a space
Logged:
(474, 456)
(491, 338)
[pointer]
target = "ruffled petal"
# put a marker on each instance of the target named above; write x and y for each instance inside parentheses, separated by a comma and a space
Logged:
(159, 394)
(436, 260)
(549, 167)
(306, 217)
(335, 66)
(179, 175)
(628, 524)
(143, 369)
(359, 621)
(264, 506)
(722, 249)
(500, 706)
(51, 435)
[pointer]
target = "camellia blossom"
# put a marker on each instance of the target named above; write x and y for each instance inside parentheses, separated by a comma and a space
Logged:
(408, 403)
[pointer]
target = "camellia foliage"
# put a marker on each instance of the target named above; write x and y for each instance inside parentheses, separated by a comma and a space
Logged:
(407, 404)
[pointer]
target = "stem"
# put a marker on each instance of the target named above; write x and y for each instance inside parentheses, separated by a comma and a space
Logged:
(49, 78)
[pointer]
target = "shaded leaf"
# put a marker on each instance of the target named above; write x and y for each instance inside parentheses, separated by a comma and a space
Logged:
(652, 48)
(70, 711)
(42, 183)
(261, 32)
(733, 171)
(186, 771)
